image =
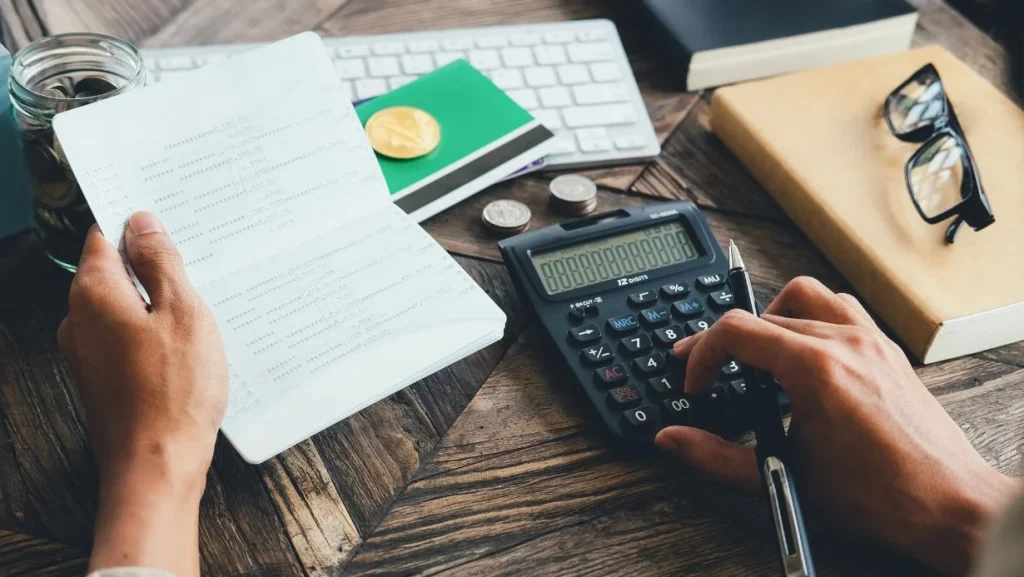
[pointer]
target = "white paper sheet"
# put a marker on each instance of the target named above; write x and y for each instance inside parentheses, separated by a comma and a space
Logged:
(328, 296)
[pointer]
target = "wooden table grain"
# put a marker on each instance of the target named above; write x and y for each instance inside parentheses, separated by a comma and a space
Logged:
(487, 467)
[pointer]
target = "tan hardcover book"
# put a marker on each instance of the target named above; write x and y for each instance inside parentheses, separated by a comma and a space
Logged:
(818, 143)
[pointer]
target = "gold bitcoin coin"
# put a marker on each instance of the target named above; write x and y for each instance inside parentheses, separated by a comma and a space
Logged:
(403, 132)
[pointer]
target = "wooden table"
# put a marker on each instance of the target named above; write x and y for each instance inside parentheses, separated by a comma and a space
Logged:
(486, 467)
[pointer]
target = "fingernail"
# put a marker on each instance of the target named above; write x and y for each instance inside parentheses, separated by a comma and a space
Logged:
(144, 223)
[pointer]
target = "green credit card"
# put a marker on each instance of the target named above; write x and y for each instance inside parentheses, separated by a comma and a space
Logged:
(485, 136)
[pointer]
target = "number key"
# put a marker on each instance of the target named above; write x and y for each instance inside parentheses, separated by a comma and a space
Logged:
(643, 298)
(678, 410)
(650, 365)
(598, 354)
(699, 325)
(639, 417)
(731, 368)
(636, 344)
(661, 385)
(668, 335)
(585, 334)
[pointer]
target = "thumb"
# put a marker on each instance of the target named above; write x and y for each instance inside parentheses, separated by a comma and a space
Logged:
(712, 455)
(154, 259)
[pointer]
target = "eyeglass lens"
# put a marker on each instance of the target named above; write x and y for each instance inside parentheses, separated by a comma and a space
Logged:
(917, 104)
(936, 176)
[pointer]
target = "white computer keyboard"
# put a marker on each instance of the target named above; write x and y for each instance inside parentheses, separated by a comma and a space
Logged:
(572, 76)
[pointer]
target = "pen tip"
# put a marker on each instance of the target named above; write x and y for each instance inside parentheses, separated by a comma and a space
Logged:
(735, 260)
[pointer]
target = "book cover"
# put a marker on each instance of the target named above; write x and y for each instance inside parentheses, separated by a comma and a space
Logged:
(819, 145)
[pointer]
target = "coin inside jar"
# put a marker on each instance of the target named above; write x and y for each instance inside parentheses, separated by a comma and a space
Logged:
(573, 195)
(403, 132)
(506, 217)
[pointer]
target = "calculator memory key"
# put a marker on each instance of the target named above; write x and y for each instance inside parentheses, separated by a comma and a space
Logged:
(688, 308)
(710, 281)
(656, 316)
(623, 324)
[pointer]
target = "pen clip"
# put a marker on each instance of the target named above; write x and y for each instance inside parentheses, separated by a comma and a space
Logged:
(791, 544)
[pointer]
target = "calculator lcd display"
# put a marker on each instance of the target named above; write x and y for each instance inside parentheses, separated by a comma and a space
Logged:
(590, 263)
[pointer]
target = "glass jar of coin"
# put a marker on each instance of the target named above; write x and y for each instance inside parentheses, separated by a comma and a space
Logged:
(50, 76)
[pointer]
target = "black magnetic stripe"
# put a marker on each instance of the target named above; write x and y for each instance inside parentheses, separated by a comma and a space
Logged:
(474, 169)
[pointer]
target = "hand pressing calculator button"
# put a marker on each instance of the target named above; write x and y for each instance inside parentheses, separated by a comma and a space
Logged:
(598, 354)
(637, 344)
(650, 365)
(731, 368)
(656, 316)
(585, 334)
(623, 324)
(699, 325)
(642, 298)
(690, 307)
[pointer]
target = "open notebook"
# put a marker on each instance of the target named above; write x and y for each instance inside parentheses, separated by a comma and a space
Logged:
(329, 297)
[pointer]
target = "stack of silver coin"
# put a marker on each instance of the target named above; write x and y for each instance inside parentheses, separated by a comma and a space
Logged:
(573, 195)
(506, 217)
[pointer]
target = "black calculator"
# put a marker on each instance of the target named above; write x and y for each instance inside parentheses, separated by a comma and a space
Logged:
(615, 291)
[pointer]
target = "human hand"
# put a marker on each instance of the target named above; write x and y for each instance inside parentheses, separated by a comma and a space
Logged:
(153, 381)
(877, 453)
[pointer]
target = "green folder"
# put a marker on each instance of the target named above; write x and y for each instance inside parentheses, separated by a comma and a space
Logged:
(485, 136)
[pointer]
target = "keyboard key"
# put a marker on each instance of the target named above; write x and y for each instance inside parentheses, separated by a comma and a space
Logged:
(590, 52)
(396, 82)
(559, 37)
(595, 144)
(679, 410)
(675, 290)
(507, 79)
(599, 115)
(417, 64)
(352, 51)
(550, 55)
(637, 345)
(563, 144)
(623, 324)
(699, 325)
(176, 63)
(424, 46)
(383, 66)
(540, 76)
(656, 316)
(722, 299)
(598, 354)
(445, 58)
(457, 43)
(349, 69)
(605, 71)
(650, 365)
(591, 35)
(517, 57)
(484, 59)
(669, 335)
(640, 417)
(585, 334)
(731, 368)
(528, 39)
(709, 281)
(549, 118)
(493, 41)
(370, 87)
(573, 74)
(601, 93)
(642, 298)
(555, 97)
(596, 132)
(690, 307)
(524, 97)
(624, 396)
(388, 48)
(630, 142)
(612, 374)
(662, 385)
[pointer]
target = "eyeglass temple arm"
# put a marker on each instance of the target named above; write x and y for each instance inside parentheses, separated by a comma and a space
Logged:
(953, 228)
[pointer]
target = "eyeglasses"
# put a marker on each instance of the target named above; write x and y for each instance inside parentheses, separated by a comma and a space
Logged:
(941, 176)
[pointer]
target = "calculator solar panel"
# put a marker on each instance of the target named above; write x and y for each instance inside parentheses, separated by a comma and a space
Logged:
(614, 292)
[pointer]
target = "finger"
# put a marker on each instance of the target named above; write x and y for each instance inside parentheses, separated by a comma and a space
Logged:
(816, 329)
(156, 262)
(64, 337)
(856, 306)
(101, 271)
(806, 298)
(741, 336)
(712, 455)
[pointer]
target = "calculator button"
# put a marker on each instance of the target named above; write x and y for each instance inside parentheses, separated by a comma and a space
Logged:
(710, 281)
(679, 409)
(668, 335)
(624, 396)
(731, 368)
(675, 290)
(585, 334)
(643, 298)
(656, 316)
(650, 365)
(623, 324)
(639, 417)
(663, 385)
(691, 307)
(612, 374)
(737, 388)
(717, 398)
(578, 313)
(722, 299)
(637, 344)
(699, 325)
(599, 353)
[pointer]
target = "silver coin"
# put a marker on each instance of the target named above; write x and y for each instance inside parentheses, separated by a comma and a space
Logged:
(506, 215)
(573, 188)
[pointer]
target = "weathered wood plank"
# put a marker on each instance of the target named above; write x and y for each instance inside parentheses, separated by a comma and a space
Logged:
(22, 555)
(19, 24)
(128, 19)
